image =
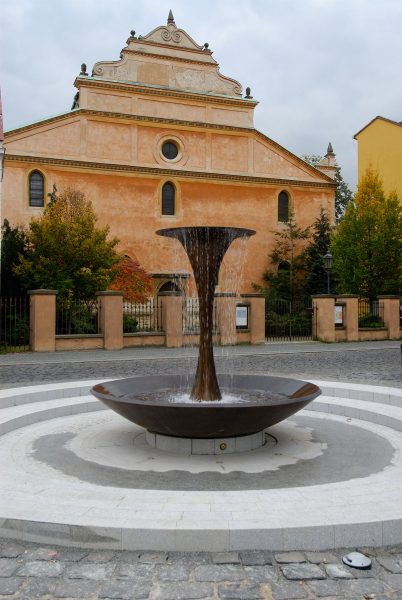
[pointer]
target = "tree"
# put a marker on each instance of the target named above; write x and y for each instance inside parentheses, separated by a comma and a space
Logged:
(288, 256)
(343, 194)
(366, 246)
(316, 276)
(132, 280)
(13, 246)
(66, 251)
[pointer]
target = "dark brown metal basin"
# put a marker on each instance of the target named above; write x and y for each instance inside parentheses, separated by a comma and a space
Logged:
(276, 399)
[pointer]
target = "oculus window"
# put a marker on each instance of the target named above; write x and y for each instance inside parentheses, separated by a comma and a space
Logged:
(170, 150)
(168, 198)
(36, 189)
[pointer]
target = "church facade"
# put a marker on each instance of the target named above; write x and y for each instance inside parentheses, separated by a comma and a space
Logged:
(160, 138)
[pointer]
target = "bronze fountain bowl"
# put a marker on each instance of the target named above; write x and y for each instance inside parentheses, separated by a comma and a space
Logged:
(145, 400)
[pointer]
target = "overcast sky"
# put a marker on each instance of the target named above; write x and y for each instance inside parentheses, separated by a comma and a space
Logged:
(320, 69)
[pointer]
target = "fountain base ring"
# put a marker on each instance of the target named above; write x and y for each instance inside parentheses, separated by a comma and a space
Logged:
(214, 446)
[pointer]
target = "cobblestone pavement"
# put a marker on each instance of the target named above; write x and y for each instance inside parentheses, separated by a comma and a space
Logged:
(372, 363)
(30, 571)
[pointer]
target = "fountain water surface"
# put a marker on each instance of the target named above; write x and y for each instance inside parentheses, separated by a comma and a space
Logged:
(265, 400)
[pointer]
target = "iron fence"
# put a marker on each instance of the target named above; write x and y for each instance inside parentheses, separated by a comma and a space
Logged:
(145, 317)
(191, 316)
(75, 317)
(288, 321)
(371, 313)
(14, 324)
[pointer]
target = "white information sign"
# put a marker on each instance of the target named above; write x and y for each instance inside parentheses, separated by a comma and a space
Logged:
(242, 316)
(338, 315)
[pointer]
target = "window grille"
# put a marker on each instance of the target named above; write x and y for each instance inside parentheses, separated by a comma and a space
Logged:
(168, 199)
(36, 189)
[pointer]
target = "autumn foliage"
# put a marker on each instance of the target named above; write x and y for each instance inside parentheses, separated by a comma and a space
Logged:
(132, 280)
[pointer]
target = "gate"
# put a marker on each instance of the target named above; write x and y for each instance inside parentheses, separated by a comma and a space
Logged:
(287, 321)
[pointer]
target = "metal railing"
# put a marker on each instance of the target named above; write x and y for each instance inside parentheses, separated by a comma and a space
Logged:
(371, 313)
(14, 324)
(145, 317)
(74, 317)
(191, 316)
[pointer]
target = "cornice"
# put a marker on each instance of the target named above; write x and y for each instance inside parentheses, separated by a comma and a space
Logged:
(174, 58)
(160, 91)
(160, 172)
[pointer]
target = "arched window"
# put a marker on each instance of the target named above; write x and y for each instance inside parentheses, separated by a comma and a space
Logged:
(168, 199)
(283, 207)
(36, 189)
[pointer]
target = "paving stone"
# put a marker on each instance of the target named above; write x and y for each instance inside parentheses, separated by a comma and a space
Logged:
(302, 571)
(72, 555)
(219, 573)
(36, 587)
(135, 571)
(100, 556)
(338, 572)
(127, 556)
(40, 554)
(11, 550)
(173, 572)
(125, 590)
(256, 557)
(361, 587)
(9, 585)
(395, 581)
(76, 589)
(184, 591)
(390, 563)
(285, 590)
(196, 558)
(260, 573)
(154, 558)
(240, 591)
(8, 566)
(321, 557)
(290, 557)
(95, 571)
(324, 588)
(226, 558)
(41, 568)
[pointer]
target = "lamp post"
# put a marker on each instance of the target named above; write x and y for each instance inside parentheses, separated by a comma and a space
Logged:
(328, 262)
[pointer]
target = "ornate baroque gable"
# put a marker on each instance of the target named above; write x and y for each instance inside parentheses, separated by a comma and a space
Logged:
(168, 57)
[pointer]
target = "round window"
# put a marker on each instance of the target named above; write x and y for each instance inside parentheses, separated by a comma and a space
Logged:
(170, 150)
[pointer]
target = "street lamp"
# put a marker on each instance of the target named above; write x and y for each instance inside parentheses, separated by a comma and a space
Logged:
(328, 262)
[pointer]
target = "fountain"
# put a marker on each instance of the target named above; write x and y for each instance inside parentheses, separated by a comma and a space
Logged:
(261, 400)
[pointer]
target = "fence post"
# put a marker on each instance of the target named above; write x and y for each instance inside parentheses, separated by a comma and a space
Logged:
(257, 317)
(42, 320)
(391, 315)
(324, 305)
(351, 302)
(226, 317)
(111, 319)
(172, 318)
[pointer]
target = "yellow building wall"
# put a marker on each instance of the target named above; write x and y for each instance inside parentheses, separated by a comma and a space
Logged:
(380, 145)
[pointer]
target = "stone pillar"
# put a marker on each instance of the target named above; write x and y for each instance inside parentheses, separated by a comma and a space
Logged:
(391, 315)
(324, 321)
(350, 316)
(256, 317)
(172, 318)
(226, 317)
(111, 319)
(42, 320)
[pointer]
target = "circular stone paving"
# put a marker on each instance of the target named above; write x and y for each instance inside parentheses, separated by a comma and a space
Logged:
(75, 472)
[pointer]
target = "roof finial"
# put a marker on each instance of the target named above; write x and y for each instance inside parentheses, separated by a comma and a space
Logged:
(171, 18)
(329, 149)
